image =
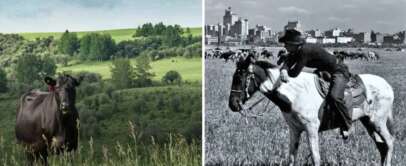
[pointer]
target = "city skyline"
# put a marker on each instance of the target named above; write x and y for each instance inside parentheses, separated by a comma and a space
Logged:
(356, 14)
(234, 29)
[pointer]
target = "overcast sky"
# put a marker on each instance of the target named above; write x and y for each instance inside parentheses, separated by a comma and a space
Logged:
(361, 15)
(83, 15)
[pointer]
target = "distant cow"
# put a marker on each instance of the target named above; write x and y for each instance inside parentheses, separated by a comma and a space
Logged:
(48, 121)
(373, 55)
(266, 54)
(229, 55)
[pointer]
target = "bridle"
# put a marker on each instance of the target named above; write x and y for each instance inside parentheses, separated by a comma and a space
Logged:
(245, 111)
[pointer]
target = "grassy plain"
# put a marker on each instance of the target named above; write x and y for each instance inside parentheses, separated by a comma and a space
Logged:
(264, 141)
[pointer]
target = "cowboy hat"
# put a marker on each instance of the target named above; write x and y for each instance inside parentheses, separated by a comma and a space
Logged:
(292, 36)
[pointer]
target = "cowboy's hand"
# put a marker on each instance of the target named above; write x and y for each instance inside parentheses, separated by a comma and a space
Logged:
(284, 76)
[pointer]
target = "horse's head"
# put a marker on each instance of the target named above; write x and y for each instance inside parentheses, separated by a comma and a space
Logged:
(65, 90)
(246, 81)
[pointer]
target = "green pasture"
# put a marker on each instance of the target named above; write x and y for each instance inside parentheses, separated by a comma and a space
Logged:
(189, 68)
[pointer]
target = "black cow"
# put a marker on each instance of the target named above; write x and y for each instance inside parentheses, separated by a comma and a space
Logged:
(48, 121)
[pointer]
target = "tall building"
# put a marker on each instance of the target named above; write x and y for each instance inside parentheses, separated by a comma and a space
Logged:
(234, 26)
(315, 33)
(240, 29)
(294, 25)
(378, 38)
(245, 28)
(336, 32)
(229, 17)
(237, 28)
(363, 37)
(260, 33)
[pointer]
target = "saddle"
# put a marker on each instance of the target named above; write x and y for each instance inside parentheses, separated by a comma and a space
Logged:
(354, 97)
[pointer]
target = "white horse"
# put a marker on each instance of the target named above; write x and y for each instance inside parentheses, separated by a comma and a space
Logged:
(300, 102)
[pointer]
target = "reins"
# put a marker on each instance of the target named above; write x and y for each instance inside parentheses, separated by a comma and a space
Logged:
(245, 112)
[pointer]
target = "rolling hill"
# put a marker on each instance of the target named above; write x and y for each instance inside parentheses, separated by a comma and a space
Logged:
(189, 68)
(117, 34)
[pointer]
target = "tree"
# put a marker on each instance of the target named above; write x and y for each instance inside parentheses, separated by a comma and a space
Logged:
(143, 75)
(69, 43)
(94, 46)
(30, 68)
(84, 46)
(159, 29)
(178, 29)
(127, 49)
(172, 36)
(145, 30)
(3, 81)
(188, 30)
(122, 73)
(172, 77)
(62, 59)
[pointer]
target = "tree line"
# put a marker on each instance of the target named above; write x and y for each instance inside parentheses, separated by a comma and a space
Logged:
(96, 46)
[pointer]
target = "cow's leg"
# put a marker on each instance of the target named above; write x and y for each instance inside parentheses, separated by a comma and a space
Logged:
(30, 158)
(43, 157)
(313, 138)
(293, 144)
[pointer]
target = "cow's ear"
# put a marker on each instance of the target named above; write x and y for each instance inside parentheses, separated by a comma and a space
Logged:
(50, 81)
(78, 80)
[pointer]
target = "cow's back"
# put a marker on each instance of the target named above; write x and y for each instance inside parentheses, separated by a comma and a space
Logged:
(36, 118)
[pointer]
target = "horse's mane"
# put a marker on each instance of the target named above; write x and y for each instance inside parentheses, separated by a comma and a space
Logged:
(265, 64)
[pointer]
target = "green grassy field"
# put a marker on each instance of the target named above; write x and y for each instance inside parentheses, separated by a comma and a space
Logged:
(229, 140)
(189, 68)
(117, 34)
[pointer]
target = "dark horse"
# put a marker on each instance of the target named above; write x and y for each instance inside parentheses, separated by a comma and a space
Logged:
(300, 102)
(48, 121)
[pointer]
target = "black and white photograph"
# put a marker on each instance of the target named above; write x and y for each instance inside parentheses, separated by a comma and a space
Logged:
(304, 82)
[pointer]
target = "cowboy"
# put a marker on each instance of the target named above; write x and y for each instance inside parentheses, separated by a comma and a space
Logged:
(301, 54)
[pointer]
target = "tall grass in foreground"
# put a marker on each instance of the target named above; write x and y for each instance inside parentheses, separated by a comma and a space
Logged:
(177, 151)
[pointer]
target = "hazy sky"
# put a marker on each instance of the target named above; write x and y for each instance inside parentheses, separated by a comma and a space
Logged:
(361, 15)
(82, 15)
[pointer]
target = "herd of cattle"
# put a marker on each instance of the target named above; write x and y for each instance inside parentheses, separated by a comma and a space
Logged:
(231, 55)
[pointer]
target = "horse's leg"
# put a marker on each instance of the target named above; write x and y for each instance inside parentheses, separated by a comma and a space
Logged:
(379, 144)
(293, 144)
(313, 138)
(383, 131)
(385, 147)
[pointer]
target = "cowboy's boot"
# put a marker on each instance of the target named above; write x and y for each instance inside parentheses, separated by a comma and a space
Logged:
(345, 133)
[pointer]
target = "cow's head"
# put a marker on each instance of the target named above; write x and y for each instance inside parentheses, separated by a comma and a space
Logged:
(65, 89)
